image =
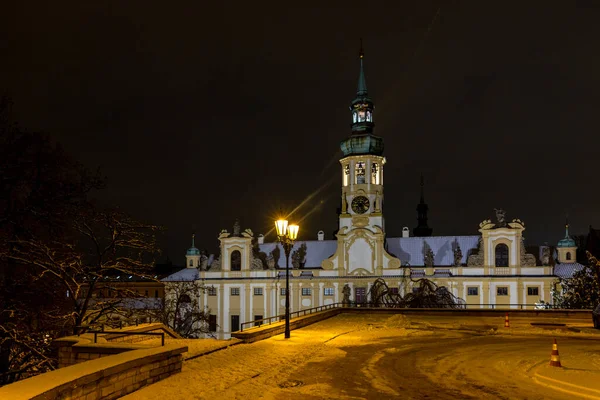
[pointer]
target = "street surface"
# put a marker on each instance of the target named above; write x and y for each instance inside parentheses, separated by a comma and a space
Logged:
(360, 356)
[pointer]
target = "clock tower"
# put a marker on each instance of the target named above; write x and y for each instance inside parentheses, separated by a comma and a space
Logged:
(361, 232)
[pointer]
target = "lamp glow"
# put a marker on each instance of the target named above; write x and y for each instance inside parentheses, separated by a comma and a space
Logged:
(293, 231)
(281, 227)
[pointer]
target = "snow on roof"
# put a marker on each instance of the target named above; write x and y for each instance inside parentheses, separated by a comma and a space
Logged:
(412, 249)
(409, 249)
(186, 274)
(316, 251)
(567, 270)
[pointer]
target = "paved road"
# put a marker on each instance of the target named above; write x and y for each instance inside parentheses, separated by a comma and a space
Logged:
(379, 357)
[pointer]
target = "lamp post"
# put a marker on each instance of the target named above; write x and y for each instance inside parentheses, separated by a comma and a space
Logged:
(286, 234)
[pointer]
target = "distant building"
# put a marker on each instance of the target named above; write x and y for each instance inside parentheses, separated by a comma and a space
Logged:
(247, 281)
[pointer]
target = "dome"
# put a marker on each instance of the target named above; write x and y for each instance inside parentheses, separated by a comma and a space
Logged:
(362, 144)
(566, 242)
(193, 251)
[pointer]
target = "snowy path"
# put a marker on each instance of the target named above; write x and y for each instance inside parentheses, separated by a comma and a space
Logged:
(380, 356)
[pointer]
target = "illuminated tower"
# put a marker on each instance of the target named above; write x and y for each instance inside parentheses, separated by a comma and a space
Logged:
(566, 248)
(361, 235)
(192, 257)
(362, 165)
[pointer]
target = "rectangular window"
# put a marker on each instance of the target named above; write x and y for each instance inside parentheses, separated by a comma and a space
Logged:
(306, 291)
(146, 293)
(235, 323)
(472, 291)
(212, 323)
(502, 291)
(156, 293)
(533, 291)
(258, 291)
(235, 291)
(282, 291)
(212, 291)
(328, 291)
(257, 317)
(393, 290)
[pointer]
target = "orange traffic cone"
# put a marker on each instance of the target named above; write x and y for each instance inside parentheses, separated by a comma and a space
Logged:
(506, 323)
(554, 358)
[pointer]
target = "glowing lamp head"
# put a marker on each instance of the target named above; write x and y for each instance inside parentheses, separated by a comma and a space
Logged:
(281, 226)
(293, 231)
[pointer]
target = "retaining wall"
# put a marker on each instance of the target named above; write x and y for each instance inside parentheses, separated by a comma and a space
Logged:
(105, 378)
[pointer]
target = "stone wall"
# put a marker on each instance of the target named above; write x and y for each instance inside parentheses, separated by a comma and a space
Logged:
(104, 378)
(77, 349)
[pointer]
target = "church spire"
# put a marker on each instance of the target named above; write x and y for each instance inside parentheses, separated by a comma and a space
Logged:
(361, 89)
(362, 106)
(567, 226)
(422, 228)
(362, 140)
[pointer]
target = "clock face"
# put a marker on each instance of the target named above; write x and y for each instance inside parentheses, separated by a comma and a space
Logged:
(360, 204)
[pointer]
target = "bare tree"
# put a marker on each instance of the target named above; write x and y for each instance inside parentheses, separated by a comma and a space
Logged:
(102, 244)
(181, 310)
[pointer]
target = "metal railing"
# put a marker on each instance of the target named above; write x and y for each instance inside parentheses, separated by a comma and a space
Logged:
(259, 322)
(161, 334)
(120, 324)
(521, 306)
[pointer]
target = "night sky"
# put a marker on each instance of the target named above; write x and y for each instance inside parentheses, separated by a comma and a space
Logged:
(205, 112)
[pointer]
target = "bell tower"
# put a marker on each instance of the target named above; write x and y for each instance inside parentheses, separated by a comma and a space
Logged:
(361, 235)
(362, 165)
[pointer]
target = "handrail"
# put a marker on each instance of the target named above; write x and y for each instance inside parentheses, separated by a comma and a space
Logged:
(259, 322)
(161, 334)
(269, 320)
(521, 306)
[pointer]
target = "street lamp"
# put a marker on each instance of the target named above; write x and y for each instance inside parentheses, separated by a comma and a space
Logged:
(287, 234)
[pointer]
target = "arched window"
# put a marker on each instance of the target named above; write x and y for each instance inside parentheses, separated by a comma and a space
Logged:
(354, 117)
(191, 263)
(360, 172)
(368, 116)
(568, 255)
(236, 260)
(374, 174)
(502, 255)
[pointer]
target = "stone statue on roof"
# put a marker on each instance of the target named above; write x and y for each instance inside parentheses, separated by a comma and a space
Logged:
(346, 293)
(236, 228)
(457, 255)
(500, 217)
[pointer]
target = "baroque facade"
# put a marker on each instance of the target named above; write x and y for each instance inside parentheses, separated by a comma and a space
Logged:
(247, 281)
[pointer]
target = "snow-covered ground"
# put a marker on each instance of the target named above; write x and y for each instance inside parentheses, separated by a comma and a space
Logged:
(354, 356)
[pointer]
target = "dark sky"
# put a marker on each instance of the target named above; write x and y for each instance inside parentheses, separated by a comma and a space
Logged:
(202, 112)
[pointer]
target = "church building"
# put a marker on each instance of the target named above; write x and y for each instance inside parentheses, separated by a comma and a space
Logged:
(492, 268)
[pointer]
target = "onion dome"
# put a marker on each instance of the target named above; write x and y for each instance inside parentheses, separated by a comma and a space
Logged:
(193, 251)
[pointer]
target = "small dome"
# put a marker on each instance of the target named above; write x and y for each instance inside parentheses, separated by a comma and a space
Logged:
(566, 242)
(192, 251)
(362, 144)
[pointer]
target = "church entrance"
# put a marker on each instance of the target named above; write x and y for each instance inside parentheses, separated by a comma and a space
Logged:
(360, 295)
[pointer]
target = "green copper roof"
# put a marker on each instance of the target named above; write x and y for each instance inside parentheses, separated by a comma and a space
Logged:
(193, 251)
(566, 241)
(362, 144)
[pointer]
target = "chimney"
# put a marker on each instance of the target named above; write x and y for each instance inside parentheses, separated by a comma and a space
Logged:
(261, 239)
(405, 232)
(320, 235)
